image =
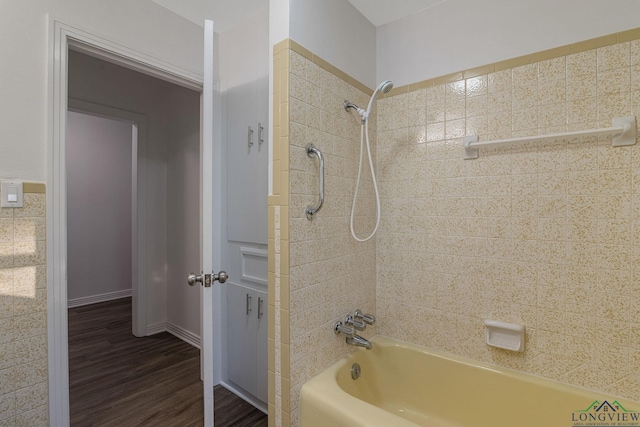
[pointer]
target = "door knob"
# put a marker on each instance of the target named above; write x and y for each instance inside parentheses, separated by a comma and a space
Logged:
(206, 279)
(221, 277)
(192, 279)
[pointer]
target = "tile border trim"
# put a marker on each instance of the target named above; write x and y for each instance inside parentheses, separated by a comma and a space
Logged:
(34, 187)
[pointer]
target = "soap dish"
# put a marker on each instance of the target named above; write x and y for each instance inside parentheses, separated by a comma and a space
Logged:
(509, 336)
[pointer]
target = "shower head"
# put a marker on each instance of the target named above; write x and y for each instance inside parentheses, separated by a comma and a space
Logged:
(384, 87)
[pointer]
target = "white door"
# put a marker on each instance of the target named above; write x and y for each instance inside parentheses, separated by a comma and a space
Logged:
(208, 278)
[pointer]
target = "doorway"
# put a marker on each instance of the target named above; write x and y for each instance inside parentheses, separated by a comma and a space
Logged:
(106, 200)
(66, 40)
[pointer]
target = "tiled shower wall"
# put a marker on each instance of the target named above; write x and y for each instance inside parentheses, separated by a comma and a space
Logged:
(545, 235)
(23, 316)
(327, 274)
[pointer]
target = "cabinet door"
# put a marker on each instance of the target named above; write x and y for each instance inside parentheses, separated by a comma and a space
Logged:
(247, 104)
(261, 351)
(241, 336)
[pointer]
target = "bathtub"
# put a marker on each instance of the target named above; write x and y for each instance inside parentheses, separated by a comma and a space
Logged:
(404, 385)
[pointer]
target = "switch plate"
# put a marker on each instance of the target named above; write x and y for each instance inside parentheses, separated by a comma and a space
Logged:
(12, 196)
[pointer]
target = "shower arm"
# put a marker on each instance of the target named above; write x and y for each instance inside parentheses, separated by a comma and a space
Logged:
(384, 87)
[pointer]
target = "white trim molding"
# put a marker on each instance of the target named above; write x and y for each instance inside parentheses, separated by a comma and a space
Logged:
(186, 336)
(156, 328)
(175, 330)
(94, 299)
(249, 256)
(245, 395)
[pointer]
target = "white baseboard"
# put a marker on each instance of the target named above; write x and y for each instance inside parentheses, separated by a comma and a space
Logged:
(77, 302)
(184, 335)
(156, 328)
(246, 396)
(176, 331)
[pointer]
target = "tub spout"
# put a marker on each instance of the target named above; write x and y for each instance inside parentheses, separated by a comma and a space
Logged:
(358, 341)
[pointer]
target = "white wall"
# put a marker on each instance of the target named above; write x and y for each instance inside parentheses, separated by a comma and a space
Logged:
(99, 205)
(141, 25)
(224, 13)
(278, 31)
(279, 11)
(338, 33)
(183, 207)
(103, 83)
(462, 34)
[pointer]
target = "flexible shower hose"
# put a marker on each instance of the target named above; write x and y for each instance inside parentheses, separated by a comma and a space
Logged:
(364, 132)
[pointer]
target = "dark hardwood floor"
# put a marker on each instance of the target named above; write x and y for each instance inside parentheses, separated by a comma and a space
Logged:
(118, 380)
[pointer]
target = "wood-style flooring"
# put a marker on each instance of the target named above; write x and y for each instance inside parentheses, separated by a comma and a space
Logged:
(118, 380)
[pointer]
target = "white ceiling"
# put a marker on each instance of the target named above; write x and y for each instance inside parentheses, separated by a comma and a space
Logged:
(381, 12)
(227, 12)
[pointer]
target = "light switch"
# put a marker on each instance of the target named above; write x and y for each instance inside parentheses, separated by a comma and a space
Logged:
(11, 194)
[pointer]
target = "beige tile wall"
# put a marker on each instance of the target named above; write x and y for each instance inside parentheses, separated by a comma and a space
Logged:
(278, 242)
(327, 274)
(547, 235)
(23, 320)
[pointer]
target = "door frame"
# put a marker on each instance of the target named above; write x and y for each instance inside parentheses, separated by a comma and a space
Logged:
(138, 202)
(61, 37)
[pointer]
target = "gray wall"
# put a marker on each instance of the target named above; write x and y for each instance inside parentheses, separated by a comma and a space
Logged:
(338, 33)
(461, 34)
(183, 207)
(99, 205)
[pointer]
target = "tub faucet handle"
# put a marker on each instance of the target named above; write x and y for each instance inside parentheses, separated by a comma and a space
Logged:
(369, 319)
(339, 328)
(357, 324)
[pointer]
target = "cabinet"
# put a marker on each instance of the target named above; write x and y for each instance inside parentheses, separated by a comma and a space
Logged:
(247, 116)
(247, 339)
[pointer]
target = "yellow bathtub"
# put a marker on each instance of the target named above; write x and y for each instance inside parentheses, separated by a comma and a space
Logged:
(404, 385)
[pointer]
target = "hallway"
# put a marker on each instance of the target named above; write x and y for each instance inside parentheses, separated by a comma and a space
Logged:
(116, 379)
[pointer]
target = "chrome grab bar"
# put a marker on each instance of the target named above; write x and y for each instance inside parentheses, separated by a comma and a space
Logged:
(311, 151)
